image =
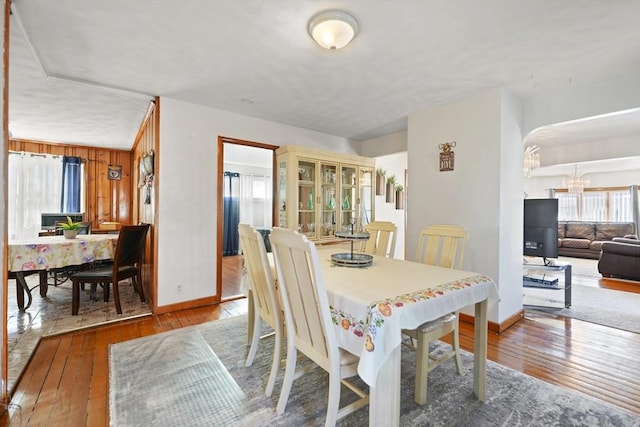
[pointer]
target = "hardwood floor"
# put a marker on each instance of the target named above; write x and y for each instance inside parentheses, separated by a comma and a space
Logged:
(231, 272)
(66, 382)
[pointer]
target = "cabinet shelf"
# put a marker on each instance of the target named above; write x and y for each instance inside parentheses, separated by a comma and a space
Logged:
(327, 178)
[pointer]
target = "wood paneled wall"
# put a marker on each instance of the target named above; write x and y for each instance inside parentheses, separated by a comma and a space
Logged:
(147, 141)
(106, 200)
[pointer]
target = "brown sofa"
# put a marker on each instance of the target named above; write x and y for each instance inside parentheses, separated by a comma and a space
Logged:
(584, 239)
(620, 258)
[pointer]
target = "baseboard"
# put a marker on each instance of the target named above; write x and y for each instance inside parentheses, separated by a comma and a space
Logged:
(498, 328)
(185, 305)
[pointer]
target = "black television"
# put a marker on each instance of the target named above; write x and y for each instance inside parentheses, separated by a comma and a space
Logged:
(541, 228)
(48, 220)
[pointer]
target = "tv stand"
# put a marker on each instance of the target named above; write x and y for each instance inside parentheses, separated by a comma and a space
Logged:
(550, 262)
(554, 265)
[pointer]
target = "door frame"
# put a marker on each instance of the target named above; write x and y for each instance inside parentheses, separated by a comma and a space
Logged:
(226, 140)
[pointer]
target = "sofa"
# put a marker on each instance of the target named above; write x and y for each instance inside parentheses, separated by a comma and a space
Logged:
(584, 239)
(620, 258)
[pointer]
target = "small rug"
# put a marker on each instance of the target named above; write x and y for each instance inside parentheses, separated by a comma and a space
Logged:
(192, 386)
(615, 309)
(513, 399)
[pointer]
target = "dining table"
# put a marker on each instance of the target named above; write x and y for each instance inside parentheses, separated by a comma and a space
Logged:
(371, 305)
(44, 253)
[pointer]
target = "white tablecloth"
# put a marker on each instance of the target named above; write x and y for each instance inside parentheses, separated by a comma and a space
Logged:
(370, 306)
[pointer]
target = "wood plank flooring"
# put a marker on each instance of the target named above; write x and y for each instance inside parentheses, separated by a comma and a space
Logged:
(66, 382)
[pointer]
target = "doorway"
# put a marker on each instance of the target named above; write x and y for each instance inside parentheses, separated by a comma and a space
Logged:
(245, 194)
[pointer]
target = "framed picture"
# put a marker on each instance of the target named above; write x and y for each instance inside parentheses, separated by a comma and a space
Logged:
(115, 172)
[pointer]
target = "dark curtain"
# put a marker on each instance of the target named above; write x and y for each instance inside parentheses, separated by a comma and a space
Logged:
(71, 180)
(231, 213)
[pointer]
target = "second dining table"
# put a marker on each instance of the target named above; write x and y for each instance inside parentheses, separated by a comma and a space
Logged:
(41, 254)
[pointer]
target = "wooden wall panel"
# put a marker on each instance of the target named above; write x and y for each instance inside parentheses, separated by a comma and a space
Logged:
(147, 141)
(106, 200)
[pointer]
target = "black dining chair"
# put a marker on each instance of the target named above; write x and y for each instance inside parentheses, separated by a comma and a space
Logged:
(127, 264)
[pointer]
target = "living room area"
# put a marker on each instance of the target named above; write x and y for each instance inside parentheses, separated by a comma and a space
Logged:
(597, 220)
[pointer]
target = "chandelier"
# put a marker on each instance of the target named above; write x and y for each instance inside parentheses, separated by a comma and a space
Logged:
(576, 182)
(531, 160)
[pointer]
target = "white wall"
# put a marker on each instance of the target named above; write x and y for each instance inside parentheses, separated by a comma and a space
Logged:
(187, 204)
(394, 164)
(589, 151)
(387, 144)
(580, 101)
(478, 193)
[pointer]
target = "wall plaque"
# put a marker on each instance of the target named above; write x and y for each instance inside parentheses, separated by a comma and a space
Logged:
(115, 172)
(446, 156)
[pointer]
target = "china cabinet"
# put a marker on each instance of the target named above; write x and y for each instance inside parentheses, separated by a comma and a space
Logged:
(320, 192)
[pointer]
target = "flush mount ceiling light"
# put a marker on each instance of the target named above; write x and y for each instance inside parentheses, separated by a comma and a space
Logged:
(333, 29)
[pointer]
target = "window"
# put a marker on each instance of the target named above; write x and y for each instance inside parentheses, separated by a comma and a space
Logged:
(34, 186)
(608, 204)
(259, 188)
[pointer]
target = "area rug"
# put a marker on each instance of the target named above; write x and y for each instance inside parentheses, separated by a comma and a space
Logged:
(165, 382)
(612, 308)
(615, 309)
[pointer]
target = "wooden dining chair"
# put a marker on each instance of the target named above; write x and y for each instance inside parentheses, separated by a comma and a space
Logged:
(444, 246)
(127, 264)
(308, 322)
(382, 238)
(264, 295)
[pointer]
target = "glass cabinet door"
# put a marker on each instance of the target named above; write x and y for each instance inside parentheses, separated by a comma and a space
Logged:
(328, 199)
(366, 197)
(348, 201)
(306, 198)
(282, 195)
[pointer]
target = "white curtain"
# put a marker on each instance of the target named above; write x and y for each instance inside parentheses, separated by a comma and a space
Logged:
(620, 207)
(35, 186)
(567, 207)
(256, 200)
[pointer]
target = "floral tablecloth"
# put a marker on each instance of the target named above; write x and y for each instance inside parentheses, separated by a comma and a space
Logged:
(44, 253)
(370, 306)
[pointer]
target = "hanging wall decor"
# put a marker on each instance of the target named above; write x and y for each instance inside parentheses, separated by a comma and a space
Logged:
(146, 167)
(115, 172)
(399, 197)
(446, 156)
(380, 181)
(391, 189)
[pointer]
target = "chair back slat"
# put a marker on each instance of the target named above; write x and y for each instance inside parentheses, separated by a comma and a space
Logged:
(382, 238)
(304, 296)
(260, 274)
(442, 245)
(130, 246)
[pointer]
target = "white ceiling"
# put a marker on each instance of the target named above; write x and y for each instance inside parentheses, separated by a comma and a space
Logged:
(83, 72)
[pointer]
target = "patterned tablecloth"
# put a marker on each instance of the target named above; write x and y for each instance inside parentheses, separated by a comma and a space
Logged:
(45, 253)
(370, 306)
